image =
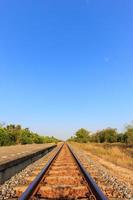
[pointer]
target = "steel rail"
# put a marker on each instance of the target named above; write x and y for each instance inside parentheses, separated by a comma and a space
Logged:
(92, 184)
(31, 188)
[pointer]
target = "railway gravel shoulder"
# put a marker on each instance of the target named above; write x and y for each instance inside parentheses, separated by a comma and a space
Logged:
(7, 189)
(63, 177)
(112, 187)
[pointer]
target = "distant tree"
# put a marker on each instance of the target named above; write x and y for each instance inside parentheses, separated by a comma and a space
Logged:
(107, 135)
(82, 135)
(120, 137)
(26, 137)
(38, 139)
(5, 138)
(128, 135)
(15, 132)
(48, 139)
(111, 135)
(72, 138)
(94, 137)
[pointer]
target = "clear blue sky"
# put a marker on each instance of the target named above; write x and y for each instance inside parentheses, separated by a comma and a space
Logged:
(66, 64)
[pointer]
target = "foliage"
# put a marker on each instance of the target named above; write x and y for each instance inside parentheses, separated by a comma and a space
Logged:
(26, 137)
(120, 137)
(108, 135)
(15, 134)
(4, 138)
(48, 139)
(128, 135)
(82, 135)
(38, 139)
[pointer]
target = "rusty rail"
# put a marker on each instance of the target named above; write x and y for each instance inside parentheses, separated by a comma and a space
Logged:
(97, 194)
(30, 190)
(92, 184)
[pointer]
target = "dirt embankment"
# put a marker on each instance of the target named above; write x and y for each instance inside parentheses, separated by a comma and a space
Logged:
(117, 159)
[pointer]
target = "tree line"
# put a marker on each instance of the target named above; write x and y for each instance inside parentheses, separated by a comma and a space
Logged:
(109, 135)
(14, 134)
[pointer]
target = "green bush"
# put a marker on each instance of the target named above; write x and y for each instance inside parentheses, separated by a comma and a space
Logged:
(48, 139)
(82, 136)
(5, 138)
(108, 135)
(128, 135)
(15, 134)
(38, 139)
(26, 137)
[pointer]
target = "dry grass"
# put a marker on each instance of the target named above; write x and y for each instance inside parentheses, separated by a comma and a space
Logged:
(114, 153)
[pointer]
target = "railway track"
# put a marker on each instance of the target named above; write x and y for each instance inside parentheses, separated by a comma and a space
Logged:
(63, 177)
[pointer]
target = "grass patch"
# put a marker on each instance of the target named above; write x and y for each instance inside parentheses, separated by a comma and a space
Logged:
(118, 154)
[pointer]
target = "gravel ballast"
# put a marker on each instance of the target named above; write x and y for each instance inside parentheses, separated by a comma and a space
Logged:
(7, 189)
(110, 185)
